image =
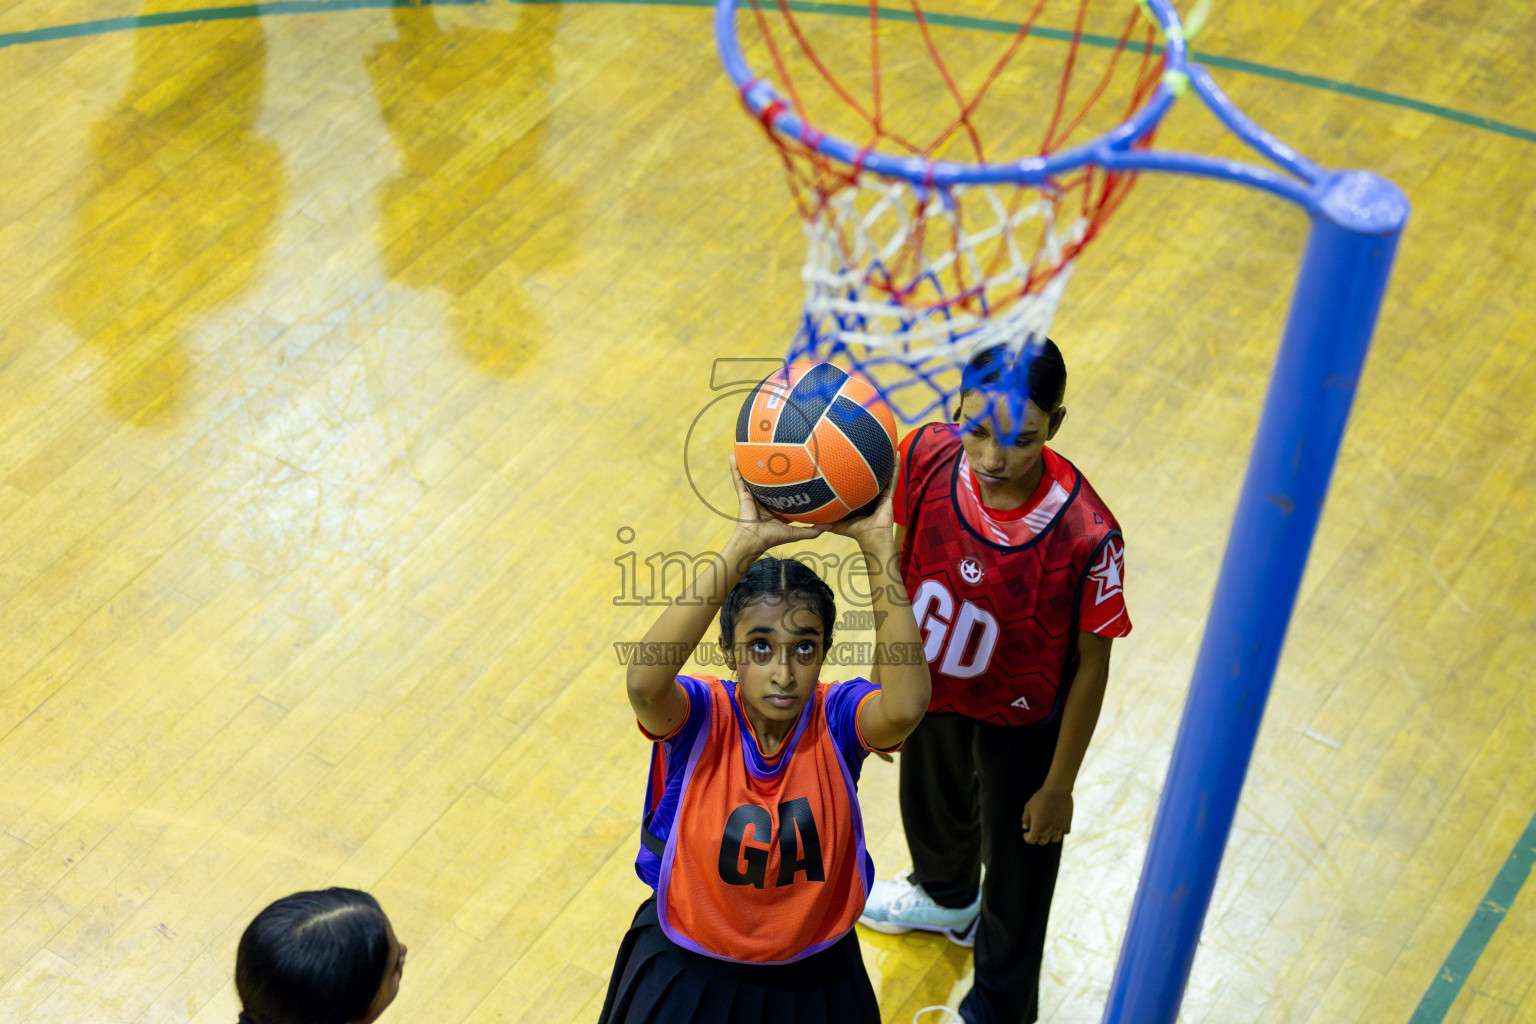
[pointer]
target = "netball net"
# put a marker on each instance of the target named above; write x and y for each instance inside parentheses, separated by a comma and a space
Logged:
(941, 166)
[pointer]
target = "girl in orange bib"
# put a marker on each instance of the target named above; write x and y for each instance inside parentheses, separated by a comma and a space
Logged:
(752, 837)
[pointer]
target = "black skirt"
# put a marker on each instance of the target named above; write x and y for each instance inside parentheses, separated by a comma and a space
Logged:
(656, 981)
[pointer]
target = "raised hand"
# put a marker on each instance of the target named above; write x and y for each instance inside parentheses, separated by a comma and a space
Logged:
(761, 528)
(877, 525)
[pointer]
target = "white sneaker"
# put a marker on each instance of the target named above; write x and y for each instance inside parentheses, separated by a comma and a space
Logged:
(902, 906)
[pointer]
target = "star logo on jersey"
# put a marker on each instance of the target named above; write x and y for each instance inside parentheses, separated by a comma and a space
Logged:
(971, 571)
(1108, 571)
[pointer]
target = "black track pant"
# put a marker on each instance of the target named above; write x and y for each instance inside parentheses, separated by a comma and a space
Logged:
(964, 784)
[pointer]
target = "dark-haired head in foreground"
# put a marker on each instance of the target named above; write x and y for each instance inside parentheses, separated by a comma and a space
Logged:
(323, 957)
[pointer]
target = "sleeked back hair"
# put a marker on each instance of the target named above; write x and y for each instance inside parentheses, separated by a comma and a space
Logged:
(784, 579)
(990, 370)
(315, 957)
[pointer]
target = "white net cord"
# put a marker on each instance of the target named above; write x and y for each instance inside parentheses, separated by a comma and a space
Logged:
(899, 270)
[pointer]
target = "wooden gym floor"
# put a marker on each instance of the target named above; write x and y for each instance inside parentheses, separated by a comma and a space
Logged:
(347, 354)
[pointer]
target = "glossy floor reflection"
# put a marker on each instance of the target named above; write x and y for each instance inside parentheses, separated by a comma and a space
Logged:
(347, 356)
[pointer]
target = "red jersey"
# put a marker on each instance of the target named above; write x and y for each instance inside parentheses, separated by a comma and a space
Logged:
(758, 859)
(1000, 596)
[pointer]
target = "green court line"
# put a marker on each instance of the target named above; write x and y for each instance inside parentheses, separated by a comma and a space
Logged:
(279, 7)
(106, 25)
(1485, 921)
(1360, 92)
(1210, 60)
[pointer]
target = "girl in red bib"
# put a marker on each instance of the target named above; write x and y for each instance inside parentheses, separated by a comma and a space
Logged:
(752, 835)
(1015, 566)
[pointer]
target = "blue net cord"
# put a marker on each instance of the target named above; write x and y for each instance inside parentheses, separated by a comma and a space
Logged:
(906, 286)
(920, 390)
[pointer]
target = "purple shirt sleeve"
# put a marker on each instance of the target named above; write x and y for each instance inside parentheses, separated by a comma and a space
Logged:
(662, 793)
(698, 707)
(842, 702)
